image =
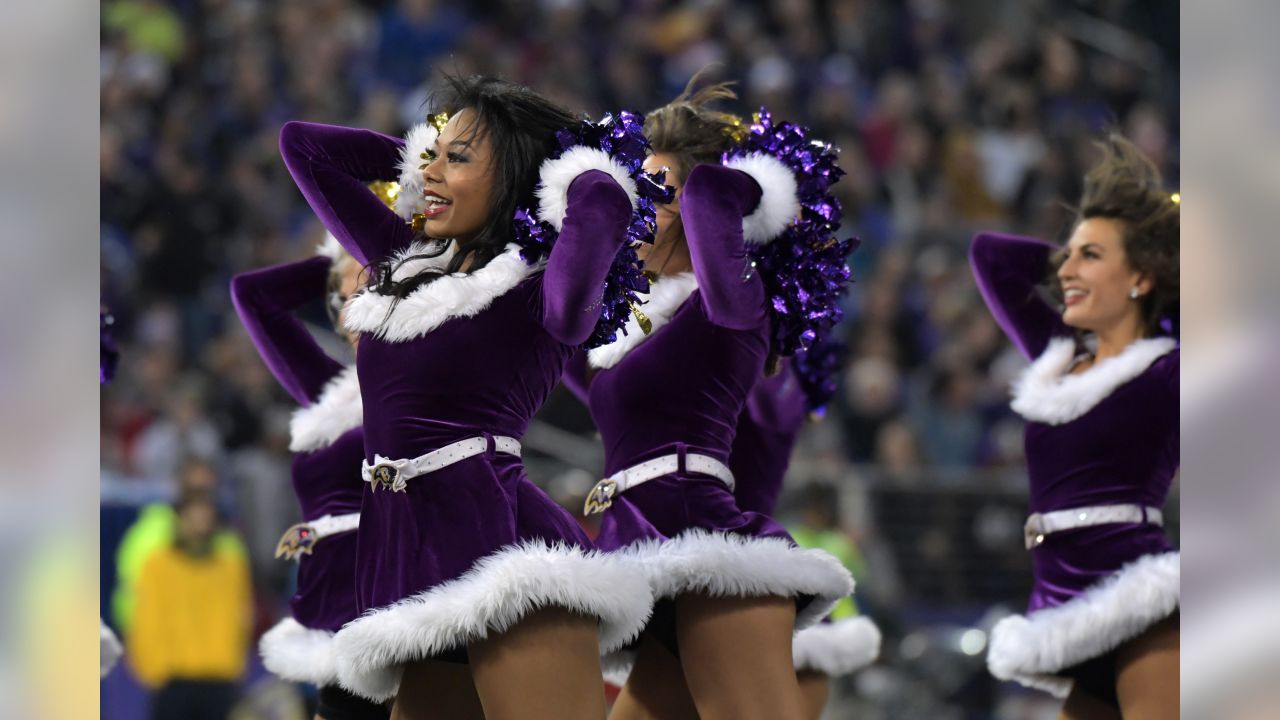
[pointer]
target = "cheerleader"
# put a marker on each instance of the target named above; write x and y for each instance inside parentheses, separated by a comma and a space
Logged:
(460, 558)
(1101, 405)
(732, 586)
(777, 409)
(329, 445)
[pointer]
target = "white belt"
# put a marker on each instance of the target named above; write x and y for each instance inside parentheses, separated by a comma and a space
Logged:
(301, 539)
(1041, 524)
(602, 495)
(392, 474)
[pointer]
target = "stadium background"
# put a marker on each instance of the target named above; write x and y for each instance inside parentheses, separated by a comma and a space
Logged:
(950, 117)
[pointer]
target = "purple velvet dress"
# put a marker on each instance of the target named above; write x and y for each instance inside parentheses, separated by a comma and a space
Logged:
(469, 549)
(1106, 436)
(767, 431)
(680, 391)
(328, 444)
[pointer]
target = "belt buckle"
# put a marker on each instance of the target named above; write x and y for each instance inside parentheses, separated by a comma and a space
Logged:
(386, 475)
(1033, 531)
(600, 498)
(297, 541)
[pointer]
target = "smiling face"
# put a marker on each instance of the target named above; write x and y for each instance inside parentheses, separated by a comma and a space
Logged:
(458, 180)
(1096, 278)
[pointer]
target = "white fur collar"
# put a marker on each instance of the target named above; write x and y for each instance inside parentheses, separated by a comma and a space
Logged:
(329, 247)
(425, 309)
(779, 201)
(665, 296)
(419, 139)
(336, 411)
(1045, 393)
(555, 177)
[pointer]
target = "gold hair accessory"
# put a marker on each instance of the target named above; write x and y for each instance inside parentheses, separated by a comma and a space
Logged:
(418, 223)
(736, 131)
(439, 120)
(1176, 198)
(386, 191)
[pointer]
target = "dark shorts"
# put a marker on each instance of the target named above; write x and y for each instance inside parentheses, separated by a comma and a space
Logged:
(338, 704)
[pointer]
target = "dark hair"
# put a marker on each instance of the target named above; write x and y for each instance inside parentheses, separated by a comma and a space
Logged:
(690, 131)
(521, 126)
(1126, 186)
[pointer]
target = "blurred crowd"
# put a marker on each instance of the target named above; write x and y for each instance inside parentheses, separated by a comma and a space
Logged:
(950, 118)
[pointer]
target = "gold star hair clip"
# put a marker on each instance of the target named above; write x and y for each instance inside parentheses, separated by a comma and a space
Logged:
(439, 120)
(386, 191)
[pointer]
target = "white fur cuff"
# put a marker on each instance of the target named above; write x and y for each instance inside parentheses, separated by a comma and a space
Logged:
(727, 565)
(1032, 649)
(299, 654)
(494, 595)
(557, 175)
(837, 648)
(419, 139)
(779, 202)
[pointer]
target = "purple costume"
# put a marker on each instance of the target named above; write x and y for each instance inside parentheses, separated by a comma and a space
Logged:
(328, 443)
(767, 431)
(470, 548)
(1105, 437)
(679, 392)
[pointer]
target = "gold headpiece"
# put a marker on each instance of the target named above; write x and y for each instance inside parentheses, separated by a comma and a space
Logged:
(439, 120)
(386, 190)
(1176, 198)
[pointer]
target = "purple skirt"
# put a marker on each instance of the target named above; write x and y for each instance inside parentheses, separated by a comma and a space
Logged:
(467, 551)
(1095, 589)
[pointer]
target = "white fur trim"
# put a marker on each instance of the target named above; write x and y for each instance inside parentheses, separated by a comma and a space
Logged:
(409, 200)
(299, 654)
(1033, 648)
(727, 565)
(557, 175)
(329, 247)
(428, 307)
(1045, 393)
(336, 411)
(491, 597)
(665, 296)
(616, 666)
(779, 201)
(837, 648)
(109, 649)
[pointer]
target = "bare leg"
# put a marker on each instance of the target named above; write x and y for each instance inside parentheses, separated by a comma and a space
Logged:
(815, 687)
(1147, 673)
(736, 654)
(656, 688)
(546, 666)
(432, 690)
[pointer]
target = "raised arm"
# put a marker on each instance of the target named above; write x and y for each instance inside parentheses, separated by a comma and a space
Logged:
(331, 166)
(1007, 269)
(265, 300)
(576, 378)
(776, 403)
(713, 204)
(597, 213)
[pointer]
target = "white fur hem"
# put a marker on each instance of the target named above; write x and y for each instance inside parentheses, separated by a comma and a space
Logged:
(557, 175)
(299, 654)
(109, 649)
(337, 410)
(837, 648)
(779, 203)
(495, 594)
(1032, 649)
(728, 565)
(1045, 393)
(409, 200)
(428, 307)
(666, 295)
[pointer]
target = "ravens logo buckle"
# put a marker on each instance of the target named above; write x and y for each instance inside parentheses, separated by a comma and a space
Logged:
(297, 541)
(600, 498)
(385, 476)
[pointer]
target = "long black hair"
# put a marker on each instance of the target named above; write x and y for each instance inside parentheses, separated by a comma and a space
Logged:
(521, 126)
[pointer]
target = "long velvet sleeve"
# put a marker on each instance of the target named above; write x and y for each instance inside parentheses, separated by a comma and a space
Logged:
(331, 166)
(1007, 269)
(714, 201)
(266, 300)
(576, 378)
(594, 229)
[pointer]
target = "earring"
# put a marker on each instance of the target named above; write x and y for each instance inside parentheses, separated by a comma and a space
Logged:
(1133, 293)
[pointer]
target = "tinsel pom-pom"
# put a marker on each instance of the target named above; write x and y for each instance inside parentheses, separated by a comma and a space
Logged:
(622, 137)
